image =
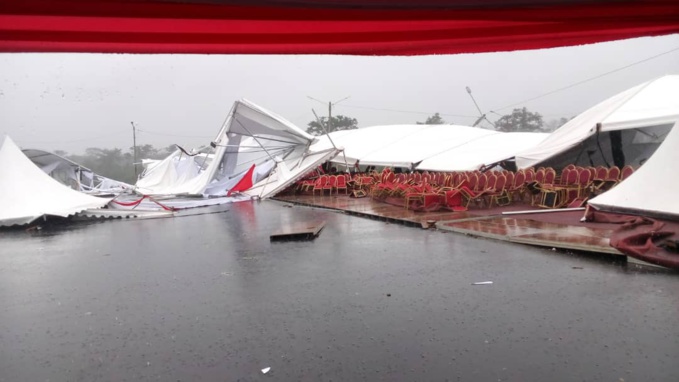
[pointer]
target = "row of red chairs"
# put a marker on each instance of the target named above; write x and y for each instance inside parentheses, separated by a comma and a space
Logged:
(578, 183)
(458, 190)
(330, 183)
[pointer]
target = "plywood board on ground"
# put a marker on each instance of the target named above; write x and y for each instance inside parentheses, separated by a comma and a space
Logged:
(299, 231)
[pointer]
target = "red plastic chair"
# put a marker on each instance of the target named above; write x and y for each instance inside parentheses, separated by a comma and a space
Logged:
(601, 173)
(499, 189)
(584, 183)
(540, 176)
(626, 172)
(320, 184)
(342, 184)
(330, 184)
(613, 174)
(550, 176)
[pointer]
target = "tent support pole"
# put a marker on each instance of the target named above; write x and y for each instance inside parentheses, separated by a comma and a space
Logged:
(256, 140)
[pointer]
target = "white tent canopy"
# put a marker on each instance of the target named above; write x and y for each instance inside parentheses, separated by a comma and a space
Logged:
(27, 193)
(397, 145)
(482, 151)
(652, 189)
(427, 147)
(250, 135)
(652, 103)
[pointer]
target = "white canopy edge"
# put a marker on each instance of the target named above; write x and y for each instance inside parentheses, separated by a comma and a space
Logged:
(651, 190)
(652, 103)
(397, 145)
(27, 193)
(266, 117)
(482, 151)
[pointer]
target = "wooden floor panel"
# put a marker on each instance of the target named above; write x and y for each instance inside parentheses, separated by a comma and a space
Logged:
(569, 233)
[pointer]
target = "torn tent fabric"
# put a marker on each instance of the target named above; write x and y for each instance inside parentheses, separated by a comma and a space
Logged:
(250, 135)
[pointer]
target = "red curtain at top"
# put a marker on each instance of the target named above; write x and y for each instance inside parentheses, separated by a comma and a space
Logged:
(370, 27)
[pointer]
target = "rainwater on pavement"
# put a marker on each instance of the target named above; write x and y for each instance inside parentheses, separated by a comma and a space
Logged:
(210, 298)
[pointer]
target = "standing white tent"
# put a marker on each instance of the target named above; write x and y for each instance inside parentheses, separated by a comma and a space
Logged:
(653, 103)
(652, 190)
(27, 193)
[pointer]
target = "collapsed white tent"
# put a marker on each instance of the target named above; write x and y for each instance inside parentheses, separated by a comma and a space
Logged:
(288, 172)
(27, 193)
(396, 145)
(250, 135)
(652, 189)
(483, 151)
(653, 103)
(426, 147)
(74, 175)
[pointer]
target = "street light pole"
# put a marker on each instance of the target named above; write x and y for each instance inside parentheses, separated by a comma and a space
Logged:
(483, 115)
(134, 149)
(329, 116)
(330, 105)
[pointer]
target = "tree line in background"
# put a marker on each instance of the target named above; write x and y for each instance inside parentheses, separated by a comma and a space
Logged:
(116, 163)
(518, 120)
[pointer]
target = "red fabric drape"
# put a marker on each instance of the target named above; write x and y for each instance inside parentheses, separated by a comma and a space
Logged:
(245, 183)
(372, 27)
(640, 237)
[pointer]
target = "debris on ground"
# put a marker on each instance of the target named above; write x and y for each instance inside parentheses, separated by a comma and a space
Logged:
(483, 283)
(265, 370)
(302, 231)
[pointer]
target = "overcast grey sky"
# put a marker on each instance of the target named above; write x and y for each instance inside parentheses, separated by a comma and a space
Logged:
(75, 101)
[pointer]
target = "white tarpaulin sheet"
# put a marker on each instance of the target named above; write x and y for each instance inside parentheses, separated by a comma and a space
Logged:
(288, 172)
(74, 175)
(27, 193)
(397, 145)
(652, 189)
(482, 151)
(652, 103)
(250, 135)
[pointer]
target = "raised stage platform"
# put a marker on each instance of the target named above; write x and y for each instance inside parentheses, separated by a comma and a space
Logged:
(557, 229)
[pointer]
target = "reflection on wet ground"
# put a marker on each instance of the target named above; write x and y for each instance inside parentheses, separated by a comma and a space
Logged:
(210, 298)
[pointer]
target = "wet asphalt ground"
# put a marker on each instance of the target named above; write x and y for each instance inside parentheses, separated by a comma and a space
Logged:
(209, 298)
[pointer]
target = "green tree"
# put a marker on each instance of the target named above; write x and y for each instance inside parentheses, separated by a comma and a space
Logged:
(520, 120)
(554, 124)
(148, 152)
(339, 122)
(111, 163)
(433, 120)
